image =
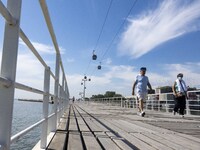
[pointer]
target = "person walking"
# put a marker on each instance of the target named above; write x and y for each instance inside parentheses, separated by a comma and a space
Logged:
(141, 84)
(180, 93)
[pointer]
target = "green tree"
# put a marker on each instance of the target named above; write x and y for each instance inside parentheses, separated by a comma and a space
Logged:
(109, 94)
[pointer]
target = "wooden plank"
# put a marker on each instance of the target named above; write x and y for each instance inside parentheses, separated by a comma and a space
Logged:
(151, 142)
(164, 141)
(135, 141)
(134, 128)
(189, 137)
(92, 125)
(82, 126)
(74, 141)
(63, 124)
(90, 141)
(58, 141)
(130, 127)
(72, 124)
(102, 128)
(151, 127)
(173, 136)
(119, 141)
(181, 141)
(106, 141)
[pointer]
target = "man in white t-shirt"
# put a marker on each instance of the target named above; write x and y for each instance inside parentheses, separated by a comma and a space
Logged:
(141, 84)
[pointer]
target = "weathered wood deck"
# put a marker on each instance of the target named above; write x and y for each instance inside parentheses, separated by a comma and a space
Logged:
(96, 126)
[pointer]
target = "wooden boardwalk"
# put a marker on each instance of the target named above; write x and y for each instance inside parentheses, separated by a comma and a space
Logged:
(97, 126)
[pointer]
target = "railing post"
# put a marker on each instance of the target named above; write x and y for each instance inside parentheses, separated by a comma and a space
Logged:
(56, 92)
(67, 95)
(121, 102)
(147, 102)
(187, 106)
(167, 110)
(158, 105)
(152, 104)
(63, 93)
(45, 108)
(8, 71)
(60, 103)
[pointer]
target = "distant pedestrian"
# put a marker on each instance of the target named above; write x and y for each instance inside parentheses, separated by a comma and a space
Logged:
(73, 99)
(180, 93)
(141, 84)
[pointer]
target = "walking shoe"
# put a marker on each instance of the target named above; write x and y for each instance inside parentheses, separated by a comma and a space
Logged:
(138, 113)
(143, 114)
(174, 113)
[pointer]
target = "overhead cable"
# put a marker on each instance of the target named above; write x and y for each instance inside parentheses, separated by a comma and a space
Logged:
(101, 31)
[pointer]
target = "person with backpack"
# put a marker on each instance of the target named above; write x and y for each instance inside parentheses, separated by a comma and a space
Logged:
(180, 93)
(141, 84)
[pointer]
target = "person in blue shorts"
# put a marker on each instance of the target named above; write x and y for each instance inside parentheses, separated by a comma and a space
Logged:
(141, 84)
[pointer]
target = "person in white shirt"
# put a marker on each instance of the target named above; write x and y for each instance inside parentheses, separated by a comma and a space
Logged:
(180, 93)
(141, 84)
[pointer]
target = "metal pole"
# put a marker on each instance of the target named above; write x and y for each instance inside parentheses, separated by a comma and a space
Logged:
(84, 90)
(67, 94)
(56, 92)
(45, 108)
(60, 103)
(63, 93)
(8, 71)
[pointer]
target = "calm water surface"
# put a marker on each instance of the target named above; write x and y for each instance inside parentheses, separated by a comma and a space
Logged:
(24, 115)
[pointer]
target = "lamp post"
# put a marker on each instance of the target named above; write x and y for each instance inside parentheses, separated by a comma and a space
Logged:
(84, 87)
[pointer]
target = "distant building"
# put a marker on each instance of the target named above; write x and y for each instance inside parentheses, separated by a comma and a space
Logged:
(161, 93)
(164, 89)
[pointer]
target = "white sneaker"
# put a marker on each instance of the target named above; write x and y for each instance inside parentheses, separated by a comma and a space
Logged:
(143, 114)
(138, 113)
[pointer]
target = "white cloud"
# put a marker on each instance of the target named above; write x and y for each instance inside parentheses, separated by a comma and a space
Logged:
(120, 78)
(70, 60)
(117, 78)
(44, 48)
(29, 72)
(108, 61)
(190, 70)
(171, 19)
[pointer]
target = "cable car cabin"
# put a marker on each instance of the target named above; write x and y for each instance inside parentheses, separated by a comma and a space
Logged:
(99, 67)
(94, 57)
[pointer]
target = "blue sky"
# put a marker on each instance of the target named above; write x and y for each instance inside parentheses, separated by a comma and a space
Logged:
(162, 35)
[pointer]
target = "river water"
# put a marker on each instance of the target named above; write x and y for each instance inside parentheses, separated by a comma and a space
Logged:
(24, 115)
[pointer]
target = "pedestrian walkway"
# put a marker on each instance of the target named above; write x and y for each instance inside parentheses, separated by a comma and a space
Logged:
(97, 126)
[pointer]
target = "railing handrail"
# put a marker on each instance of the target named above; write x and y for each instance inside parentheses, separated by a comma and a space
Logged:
(158, 103)
(63, 95)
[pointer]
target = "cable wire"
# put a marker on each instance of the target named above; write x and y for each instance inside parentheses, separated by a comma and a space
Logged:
(103, 25)
(101, 31)
(109, 46)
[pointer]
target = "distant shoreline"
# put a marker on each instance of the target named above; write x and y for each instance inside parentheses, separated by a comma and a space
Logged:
(33, 100)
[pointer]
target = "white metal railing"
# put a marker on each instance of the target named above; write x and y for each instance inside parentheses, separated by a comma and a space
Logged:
(156, 102)
(11, 14)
